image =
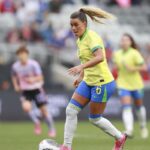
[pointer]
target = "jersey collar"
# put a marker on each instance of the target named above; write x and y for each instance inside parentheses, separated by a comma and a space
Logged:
(125, 51)
(84, 34)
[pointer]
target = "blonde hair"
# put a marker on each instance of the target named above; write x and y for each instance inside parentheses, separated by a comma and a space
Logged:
(96, 14)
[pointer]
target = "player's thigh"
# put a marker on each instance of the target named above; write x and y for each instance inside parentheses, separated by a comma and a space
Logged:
(79, 99)
(102, 93)
(100, 96)
(40, 99)
(82, 95)
(125, 96)
(97, 108)
(138, 97)
(126, 100)
(26, 105)
(44, 110)
(138, 102)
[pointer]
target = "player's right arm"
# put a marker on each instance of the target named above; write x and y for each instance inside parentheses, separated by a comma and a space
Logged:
(15, 81)
(79, 79)
(139, 62)
(15, 84)
(142, 67)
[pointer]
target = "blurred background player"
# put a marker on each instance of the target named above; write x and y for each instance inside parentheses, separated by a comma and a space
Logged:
(28, 79)
(95, 83)
(129, 63)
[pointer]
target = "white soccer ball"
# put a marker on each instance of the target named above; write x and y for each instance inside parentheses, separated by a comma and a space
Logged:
(48, 144)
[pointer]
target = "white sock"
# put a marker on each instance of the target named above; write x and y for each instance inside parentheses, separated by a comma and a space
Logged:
(141, 114)
(107, 127)
(33, 117)
(71, 124)
(128, 119)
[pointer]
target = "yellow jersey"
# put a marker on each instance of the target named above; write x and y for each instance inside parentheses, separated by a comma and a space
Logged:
(126, 79)
(100, 73)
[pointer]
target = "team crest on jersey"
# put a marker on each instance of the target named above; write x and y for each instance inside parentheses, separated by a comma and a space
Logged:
(98, 90)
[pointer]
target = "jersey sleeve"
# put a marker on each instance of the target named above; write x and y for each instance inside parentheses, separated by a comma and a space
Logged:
(95, 42)
(138, 59)
(37, 69)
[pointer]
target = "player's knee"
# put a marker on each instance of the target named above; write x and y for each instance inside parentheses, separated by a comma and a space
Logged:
(138, 104)
(95, 120)
(44, 113)
(126, 106)
(71, 111)
(126, 109)
(26, 107)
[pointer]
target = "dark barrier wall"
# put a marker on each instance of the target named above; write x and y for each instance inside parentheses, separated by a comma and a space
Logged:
(10, 107)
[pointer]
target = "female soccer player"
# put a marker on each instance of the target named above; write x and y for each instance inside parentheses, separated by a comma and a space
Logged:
(95, 83)
(27, 78)
(129, 63)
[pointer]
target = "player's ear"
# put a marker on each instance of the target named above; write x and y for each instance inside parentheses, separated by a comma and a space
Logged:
(85, 23)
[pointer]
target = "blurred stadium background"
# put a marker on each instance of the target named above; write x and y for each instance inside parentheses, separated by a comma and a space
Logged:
(44, 26)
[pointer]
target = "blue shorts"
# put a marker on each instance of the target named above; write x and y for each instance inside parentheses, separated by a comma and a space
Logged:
(96, 93)
(136, 94)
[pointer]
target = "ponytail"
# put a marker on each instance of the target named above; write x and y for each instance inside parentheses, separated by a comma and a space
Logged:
(96, 14)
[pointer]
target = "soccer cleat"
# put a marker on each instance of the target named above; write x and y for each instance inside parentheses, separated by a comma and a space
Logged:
(52, 133)
(37, 129)
(144, 133)
(120, 143)
(64, 148)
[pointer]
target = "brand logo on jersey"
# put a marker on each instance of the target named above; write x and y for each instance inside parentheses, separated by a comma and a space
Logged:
(98, 90)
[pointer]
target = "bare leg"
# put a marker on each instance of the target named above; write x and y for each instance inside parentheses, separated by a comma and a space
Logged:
(27, 107)
(48, 117)
(96, 110)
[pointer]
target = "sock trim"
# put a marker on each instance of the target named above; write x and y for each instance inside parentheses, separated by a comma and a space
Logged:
(75, 103)
(138, 106)
(74, 107)
(95, 116)
(126, 106)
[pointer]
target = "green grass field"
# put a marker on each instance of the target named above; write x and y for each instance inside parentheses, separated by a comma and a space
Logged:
(19, 136)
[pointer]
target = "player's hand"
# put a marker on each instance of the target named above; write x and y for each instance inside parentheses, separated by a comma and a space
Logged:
(76, 82)
(75, 70)
(30, 80)
(17, 89)
(129, 68)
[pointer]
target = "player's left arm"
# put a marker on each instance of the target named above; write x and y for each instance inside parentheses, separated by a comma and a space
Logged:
(140, 67)
(98, 57)
(39, 74)
(139, 62)
(95, 45)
